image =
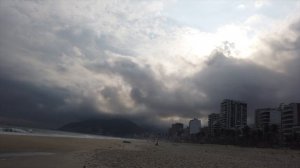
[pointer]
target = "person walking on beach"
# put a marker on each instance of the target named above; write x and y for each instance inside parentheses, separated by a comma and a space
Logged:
(156, 141)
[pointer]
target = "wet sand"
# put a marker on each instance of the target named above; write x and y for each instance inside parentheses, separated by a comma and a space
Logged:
(104, 153)
(19, 151)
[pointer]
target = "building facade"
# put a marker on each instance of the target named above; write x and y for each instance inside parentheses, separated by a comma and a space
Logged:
(233, 114)
(194, 126)
(267, 116)
(213, 123)
(290, 118)
(176, 130)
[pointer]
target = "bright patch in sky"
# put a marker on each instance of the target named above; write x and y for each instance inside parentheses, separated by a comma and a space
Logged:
(239, 22)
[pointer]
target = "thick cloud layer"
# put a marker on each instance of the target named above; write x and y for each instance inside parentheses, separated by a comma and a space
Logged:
(61, 62)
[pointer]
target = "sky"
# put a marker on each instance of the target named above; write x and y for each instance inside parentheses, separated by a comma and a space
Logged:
(154, 62)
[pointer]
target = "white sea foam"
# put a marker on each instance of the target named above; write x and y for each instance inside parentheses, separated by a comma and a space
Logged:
(49, 133)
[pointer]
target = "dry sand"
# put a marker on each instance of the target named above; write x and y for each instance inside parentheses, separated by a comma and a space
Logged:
(95, 153)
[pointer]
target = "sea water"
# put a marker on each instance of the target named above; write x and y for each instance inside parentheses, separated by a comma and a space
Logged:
(10, 130)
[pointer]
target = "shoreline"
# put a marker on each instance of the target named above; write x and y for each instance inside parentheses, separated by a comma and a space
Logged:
(55, 133)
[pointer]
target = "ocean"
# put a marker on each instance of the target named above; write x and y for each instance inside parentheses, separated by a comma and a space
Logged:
(12, 130)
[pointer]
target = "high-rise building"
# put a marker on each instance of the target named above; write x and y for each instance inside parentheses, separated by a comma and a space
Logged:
(176, 129)
(213, 123)
(233, 114)
(194, 126)
(290, 118)
(267, 116)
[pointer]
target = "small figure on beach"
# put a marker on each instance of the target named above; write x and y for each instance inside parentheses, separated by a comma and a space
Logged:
(156, 141)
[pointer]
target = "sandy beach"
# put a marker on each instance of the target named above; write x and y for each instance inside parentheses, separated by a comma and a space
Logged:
(57, 152)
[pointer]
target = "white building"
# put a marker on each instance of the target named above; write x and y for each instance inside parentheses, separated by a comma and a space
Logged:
(267, 116)
(233, 114)
(195, 126)
(290, 118)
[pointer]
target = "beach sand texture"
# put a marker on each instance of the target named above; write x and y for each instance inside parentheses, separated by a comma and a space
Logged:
(104, 153)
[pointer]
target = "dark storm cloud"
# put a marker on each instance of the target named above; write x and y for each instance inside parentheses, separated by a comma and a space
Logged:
(151, 92)
(39, 105)
(239, 80)
(56, 69)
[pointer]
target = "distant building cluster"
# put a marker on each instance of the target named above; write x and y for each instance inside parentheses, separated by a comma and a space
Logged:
(233, 115)
(286, 117)
(177, 130)
(272, 125)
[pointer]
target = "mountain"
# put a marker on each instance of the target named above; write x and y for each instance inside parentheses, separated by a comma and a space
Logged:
(111, 127)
